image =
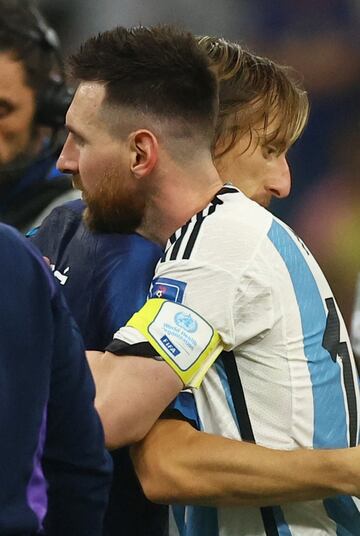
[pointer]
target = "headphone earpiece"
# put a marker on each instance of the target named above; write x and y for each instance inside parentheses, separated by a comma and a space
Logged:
(54, 99)
(52, 104)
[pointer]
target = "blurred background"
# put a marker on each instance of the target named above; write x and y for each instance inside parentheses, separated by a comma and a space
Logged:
(321, 39)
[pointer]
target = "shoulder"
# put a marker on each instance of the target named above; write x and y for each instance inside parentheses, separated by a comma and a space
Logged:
(8, 235)
(64, 198)
(14, 253)
(63, 220)
(72, 208)
(13, 245)
(133, 246)
(21, 263)
(239, 215)
(127, 260)
(231, 226)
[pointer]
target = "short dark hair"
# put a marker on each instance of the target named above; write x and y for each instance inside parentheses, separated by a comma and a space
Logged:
(158, 70)
(23, 37)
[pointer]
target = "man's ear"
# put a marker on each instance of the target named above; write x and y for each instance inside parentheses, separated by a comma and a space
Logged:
(144, 152)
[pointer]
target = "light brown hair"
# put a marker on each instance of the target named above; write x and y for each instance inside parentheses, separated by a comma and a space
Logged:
(255, 94)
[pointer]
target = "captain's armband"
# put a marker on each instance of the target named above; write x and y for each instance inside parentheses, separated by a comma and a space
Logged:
(181, 337)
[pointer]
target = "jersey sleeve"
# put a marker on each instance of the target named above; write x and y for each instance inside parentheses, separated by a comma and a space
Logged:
(183, 408)
(188, 317)
(206, 288)
(214, 300)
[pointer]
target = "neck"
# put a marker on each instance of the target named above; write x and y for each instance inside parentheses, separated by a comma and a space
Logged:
(176, 199)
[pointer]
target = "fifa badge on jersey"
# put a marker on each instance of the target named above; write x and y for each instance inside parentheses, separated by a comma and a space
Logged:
(167, 289)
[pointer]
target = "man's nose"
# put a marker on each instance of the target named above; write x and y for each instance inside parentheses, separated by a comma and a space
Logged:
(67, 161)
(280, 186)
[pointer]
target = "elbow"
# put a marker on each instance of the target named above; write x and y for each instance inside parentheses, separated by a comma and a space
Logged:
(155, 484)
(119, 431)
(152, 490)
(115, 439)
(162, 462)
(159, 474)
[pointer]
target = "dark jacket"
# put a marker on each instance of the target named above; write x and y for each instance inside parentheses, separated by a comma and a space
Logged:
(23, 201)
(54, 469)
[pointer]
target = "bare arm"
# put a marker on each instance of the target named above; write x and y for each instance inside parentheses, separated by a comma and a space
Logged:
(131, 393)
(177, 464)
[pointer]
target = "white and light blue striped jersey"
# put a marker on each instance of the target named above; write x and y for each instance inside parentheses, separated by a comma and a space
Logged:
(288, 353)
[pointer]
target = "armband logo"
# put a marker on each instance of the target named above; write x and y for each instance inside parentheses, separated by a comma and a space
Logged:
(186, 322)
(176, 330)
(183, 338)
(170, 346)
(168, 289)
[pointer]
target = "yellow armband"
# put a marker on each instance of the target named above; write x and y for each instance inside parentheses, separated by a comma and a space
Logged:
(182, 337)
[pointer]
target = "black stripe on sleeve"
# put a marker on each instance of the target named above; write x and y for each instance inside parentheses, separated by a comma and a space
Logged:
(200, 217)
(141, 349)
(212, 209)
(172, 238)
(175, 243)
(194, 233)
(245, 427)
(175, 249)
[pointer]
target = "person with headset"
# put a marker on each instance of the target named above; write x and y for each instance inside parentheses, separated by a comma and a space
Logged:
(34, 98)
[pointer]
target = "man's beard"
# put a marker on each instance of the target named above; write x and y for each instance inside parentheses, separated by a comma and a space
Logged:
(113, 209)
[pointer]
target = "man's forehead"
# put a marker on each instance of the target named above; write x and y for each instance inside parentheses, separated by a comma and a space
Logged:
(92, 91)
(86, 103)
(89, 96)
(12, 69)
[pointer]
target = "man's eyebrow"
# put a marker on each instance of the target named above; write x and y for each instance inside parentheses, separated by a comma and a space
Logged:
(73, 131)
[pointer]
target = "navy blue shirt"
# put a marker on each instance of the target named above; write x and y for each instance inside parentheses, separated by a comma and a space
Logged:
(50, 432)
(23, 199)
(105, 279)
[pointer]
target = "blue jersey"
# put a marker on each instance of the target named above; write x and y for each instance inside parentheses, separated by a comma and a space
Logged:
(50, 433)
(105, 279)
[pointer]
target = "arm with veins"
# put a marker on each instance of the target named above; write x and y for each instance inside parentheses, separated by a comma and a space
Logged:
(177, 464)
(131, 394)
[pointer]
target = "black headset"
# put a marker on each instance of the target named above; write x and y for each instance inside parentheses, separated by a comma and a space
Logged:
(54, 99)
